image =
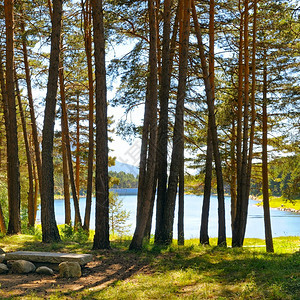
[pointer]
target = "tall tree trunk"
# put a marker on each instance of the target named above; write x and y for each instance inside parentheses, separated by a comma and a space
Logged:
(65, 172)
(180, 228)
(233, 171)
(149, 139)
(177, 161)
(5, 113)
(88, 51)
(14, 225)
(101, 238)
(243, 166)
(77, 147)
(214, 134)
(68, 144)
(253, 111)
(150, 217)
(236, 221)
(265, 180)
(36, 186)
(243, 183)
(49, 228)
(31, 219)
(162, 142)
(30, 100)
(204, 238)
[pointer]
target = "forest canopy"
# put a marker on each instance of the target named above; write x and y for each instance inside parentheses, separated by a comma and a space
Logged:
(218, 84)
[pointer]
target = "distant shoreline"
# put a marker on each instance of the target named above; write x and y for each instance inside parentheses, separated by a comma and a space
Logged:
(282, 207)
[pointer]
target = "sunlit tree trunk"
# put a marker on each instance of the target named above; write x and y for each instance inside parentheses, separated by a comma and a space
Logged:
(88, 51)
(77, 221)
(36, 186)
(236, 206)
(49, 228)
(233, 171)
(243, 160)
(149, 139)
(214, 134)
(5, 113)
(31, 219)
(204, 237)
(265, 180)
(77, 147)
(30, 100)
(14, 225)
(177, 160)
(101, 238)
(162, 142)
(253, 110)
(65, 172)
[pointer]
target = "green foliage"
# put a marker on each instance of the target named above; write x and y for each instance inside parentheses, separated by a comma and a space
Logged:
(285, 177)
(125, 180)
(118, 217)
(69, 233)
(4, 198)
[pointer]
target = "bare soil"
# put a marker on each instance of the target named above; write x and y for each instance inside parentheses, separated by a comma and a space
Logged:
(106, 268)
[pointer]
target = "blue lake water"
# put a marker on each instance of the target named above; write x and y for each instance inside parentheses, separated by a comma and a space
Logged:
(283, 223)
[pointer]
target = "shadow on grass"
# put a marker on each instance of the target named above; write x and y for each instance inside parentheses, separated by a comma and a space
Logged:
(107, 268)
(233, 273)
(270, 274)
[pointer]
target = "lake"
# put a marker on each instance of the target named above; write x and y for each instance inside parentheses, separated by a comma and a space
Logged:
(283, 223)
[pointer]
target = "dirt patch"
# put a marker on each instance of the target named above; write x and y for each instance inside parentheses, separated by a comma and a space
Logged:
(106, 268)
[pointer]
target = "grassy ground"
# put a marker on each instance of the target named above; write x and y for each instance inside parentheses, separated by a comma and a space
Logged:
(185, 272)
(279, 202)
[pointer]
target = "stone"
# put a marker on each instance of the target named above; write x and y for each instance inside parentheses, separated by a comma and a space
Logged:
(49, 257)
(2, 258)
(3, 268)
(2, 251)
(69, 269)
(44, 270)
(22, 267)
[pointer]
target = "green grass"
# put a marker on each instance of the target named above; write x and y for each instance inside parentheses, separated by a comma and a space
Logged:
(280, 202)
(188, 272)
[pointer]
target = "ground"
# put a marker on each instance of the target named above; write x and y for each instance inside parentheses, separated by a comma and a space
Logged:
(96, 275)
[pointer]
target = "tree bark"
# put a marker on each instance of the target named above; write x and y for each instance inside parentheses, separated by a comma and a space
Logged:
(265, 182)
(31, 219)
(101, 238)
(177, 160)
(65, 172)
(49, 228)
(149, 140)
(88, 51)
(162, 142)
(5, 112)
(77, 147)
(204, 237)
(30, 100)
(236, 213)
(77, 221)
(214, 134)
(14, 225)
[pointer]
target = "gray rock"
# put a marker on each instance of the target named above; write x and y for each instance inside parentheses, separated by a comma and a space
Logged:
(2, 258)
(69, 269)
(49, 257)
(2, 251)
(44, 270)
(3, 269)
(22, 267)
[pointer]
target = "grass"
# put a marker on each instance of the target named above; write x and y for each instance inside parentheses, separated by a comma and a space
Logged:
(280, 202)
(188, 272)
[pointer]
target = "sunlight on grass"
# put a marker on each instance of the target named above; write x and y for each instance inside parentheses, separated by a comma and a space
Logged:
(192, 271)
